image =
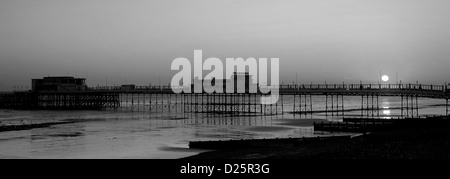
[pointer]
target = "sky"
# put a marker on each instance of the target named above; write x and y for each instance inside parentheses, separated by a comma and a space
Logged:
(135, 41)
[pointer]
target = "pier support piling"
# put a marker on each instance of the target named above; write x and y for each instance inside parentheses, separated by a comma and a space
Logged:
(446, 107)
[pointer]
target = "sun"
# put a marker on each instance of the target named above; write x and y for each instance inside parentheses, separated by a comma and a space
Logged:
(385, 78)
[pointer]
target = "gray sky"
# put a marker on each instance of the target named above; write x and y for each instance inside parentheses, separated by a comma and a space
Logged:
(136, 40)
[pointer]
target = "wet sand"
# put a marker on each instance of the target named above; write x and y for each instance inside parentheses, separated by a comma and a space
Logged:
(299, 122)
(125, 134)
(116, 134)
(426, 142)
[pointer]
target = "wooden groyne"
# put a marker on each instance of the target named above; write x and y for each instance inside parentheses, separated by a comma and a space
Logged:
(377, 124)
(353, 126)
(258, 143)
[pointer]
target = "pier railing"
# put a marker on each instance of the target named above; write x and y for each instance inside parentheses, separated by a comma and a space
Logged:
(347, 87)
(439, 88)
(120, 88)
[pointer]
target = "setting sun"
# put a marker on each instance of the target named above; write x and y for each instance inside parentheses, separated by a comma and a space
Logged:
(385, 78)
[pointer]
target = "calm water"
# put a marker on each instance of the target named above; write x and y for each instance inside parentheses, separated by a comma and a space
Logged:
(143, 134)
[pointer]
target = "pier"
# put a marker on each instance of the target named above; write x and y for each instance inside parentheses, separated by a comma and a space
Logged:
(162, 99)
(93, 100)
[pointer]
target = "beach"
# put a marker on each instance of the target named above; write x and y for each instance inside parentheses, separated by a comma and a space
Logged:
(130, 133)
(426, 142)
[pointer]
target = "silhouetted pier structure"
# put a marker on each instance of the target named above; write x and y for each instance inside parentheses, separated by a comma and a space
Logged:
(162, 99)
(60, 100)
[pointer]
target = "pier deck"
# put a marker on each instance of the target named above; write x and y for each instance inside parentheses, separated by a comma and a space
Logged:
(162, 98)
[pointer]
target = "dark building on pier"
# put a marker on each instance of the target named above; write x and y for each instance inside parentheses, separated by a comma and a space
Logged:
(128, 87)
(242, 78)
(241, 81)
(63, 83)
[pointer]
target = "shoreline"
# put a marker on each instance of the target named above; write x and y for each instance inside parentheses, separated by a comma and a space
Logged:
(425, 142)
(20, 127)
